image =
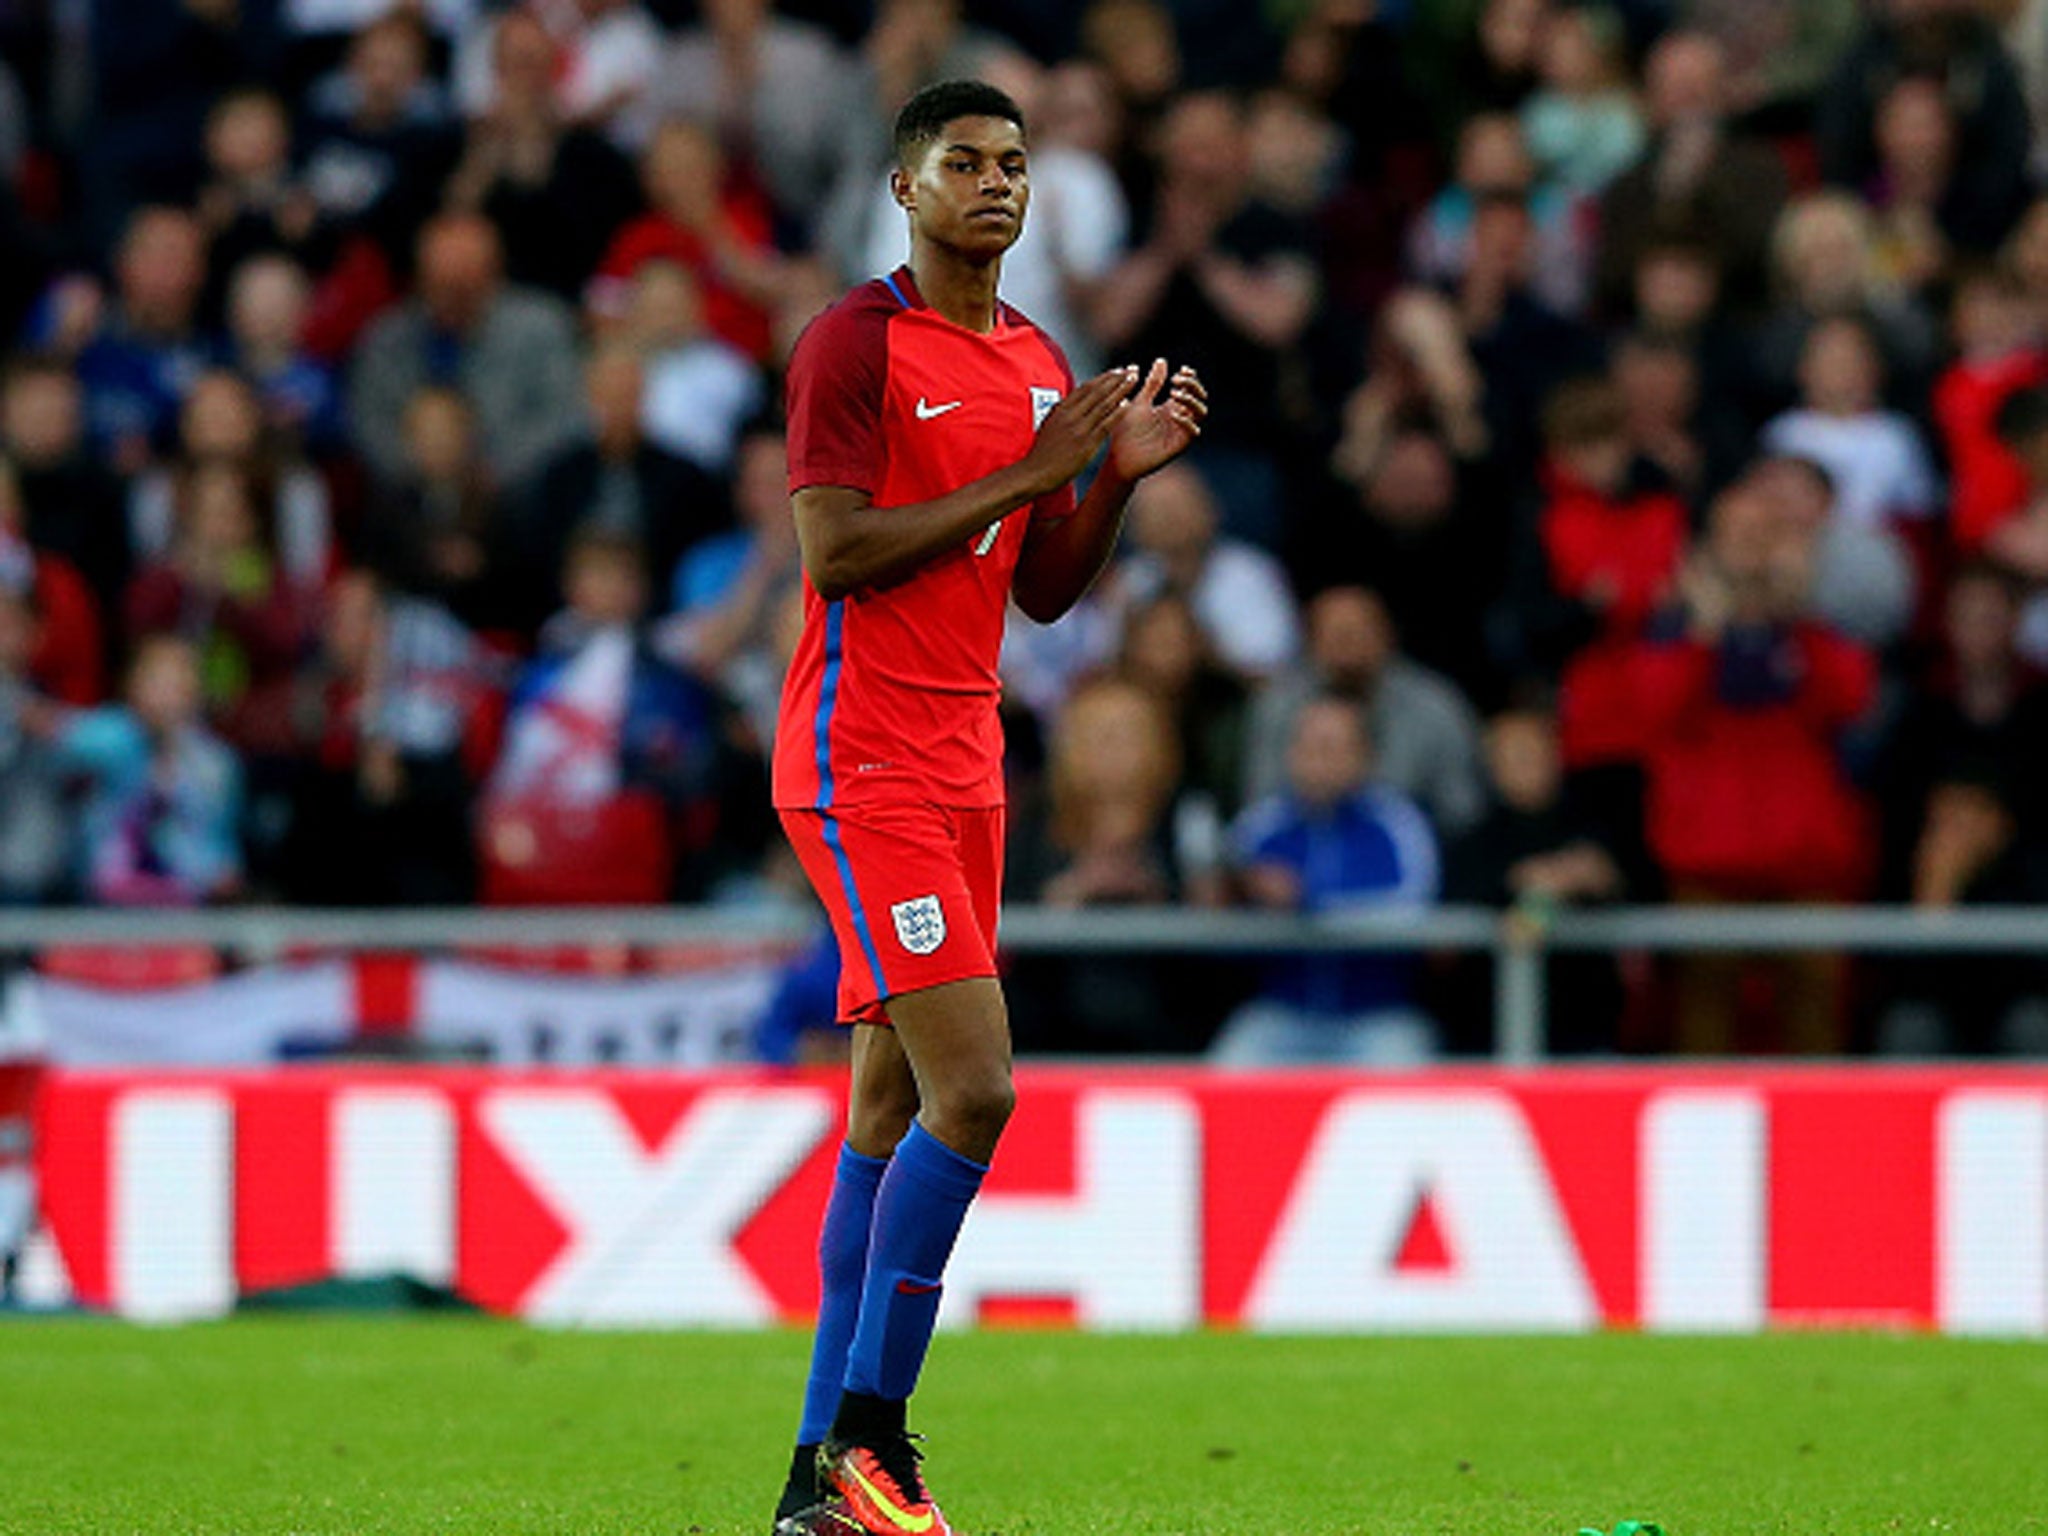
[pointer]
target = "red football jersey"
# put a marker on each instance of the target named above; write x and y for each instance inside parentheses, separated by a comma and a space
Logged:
(892, 692)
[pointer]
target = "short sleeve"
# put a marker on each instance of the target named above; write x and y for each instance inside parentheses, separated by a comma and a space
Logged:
(834, 400)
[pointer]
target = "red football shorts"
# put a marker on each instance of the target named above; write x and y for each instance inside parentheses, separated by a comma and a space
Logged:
(912, 889)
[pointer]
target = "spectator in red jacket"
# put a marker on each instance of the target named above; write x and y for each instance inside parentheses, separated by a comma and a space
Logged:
(1743, 701)
(66, 660)
(702, 218)
(1611, 535)
(2000, 351)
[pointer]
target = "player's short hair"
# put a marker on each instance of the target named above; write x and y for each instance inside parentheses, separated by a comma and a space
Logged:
(924, 117)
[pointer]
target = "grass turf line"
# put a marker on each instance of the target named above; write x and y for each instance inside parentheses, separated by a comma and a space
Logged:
(314, 1426)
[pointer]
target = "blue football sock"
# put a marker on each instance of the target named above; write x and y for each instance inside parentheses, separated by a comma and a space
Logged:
(842, 1266)
(918, 1211)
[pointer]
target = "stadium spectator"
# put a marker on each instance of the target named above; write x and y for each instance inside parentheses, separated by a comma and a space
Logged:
(1238, 592)
(1540, 845)
(731, 590)
(702, 217)
(509, 350)
(397, 698)
(36, 826)
(1824, 265)
(1137, 46)
(555, 191)
(137, 357)
(1493, 160)
(1111, 833)
(619, 480)
(439, 529)
(609, 59)
(253, 201)
(1699, 179)
(1582, 122)
(1600, 556)
(778, 92)
(163, 794)
(66, 659)
(1658, 380)
(1962, 793)
(1997, 328)
(156, 70)
(609, 752)
(1425, 736)
(219, 585)
(377, 132)
(1879, 465)
(1955, 50)
(1422, 530)
(269, 301)
(221, 423)
(1864, 584)
(1780, 53)
(1744, 703)
(1488, 63)
(1977, 722)
(72, 504)
(1109, 830)
(1675, 295)
(1226, 284)
(700, 389)
(1165, 653)
(1522, 347)
(1333, 840)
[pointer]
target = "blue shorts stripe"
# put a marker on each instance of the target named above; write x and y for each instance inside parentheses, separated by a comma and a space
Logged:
(830, 828)
(821, 725)
(828, 697)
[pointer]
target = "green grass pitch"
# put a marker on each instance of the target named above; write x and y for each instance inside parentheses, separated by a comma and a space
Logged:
(363, 1425)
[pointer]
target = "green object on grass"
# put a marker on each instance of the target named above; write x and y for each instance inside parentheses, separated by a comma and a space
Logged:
(1628, 1528)
(445, 1425)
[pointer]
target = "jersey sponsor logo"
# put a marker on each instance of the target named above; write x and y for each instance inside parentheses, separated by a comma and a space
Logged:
(920, 924)
(1042, 402)
(926, 411)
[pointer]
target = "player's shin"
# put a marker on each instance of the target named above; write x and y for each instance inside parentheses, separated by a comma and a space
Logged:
(919, 1208)
(842, 1267)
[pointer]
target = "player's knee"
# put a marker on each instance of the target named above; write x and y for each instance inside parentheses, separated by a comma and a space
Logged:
(878, 1119)
(971, 1115)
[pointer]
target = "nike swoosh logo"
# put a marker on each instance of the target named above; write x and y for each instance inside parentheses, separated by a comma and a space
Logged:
(927, 412)
(914, 1288)
(902, 1519)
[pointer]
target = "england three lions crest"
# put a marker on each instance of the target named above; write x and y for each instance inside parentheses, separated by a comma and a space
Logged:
(920, 924)
(1042, 402)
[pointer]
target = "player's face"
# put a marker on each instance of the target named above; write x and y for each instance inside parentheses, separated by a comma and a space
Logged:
(969, 190)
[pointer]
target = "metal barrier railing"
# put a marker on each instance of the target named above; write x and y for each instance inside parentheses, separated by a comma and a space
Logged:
(1518, 940)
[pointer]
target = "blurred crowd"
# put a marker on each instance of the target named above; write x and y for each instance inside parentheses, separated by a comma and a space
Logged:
(1626, 478)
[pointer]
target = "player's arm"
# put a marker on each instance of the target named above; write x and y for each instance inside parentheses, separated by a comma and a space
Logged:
(1063, 556)
(849, 543)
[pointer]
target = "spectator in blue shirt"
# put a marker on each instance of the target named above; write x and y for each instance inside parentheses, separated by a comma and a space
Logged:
(1333, 840)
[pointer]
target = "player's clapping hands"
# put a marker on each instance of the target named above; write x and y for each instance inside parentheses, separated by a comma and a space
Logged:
(1077, 427)
(1157, 424)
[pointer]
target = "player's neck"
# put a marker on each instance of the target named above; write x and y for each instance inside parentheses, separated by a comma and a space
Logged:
(963, 291)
